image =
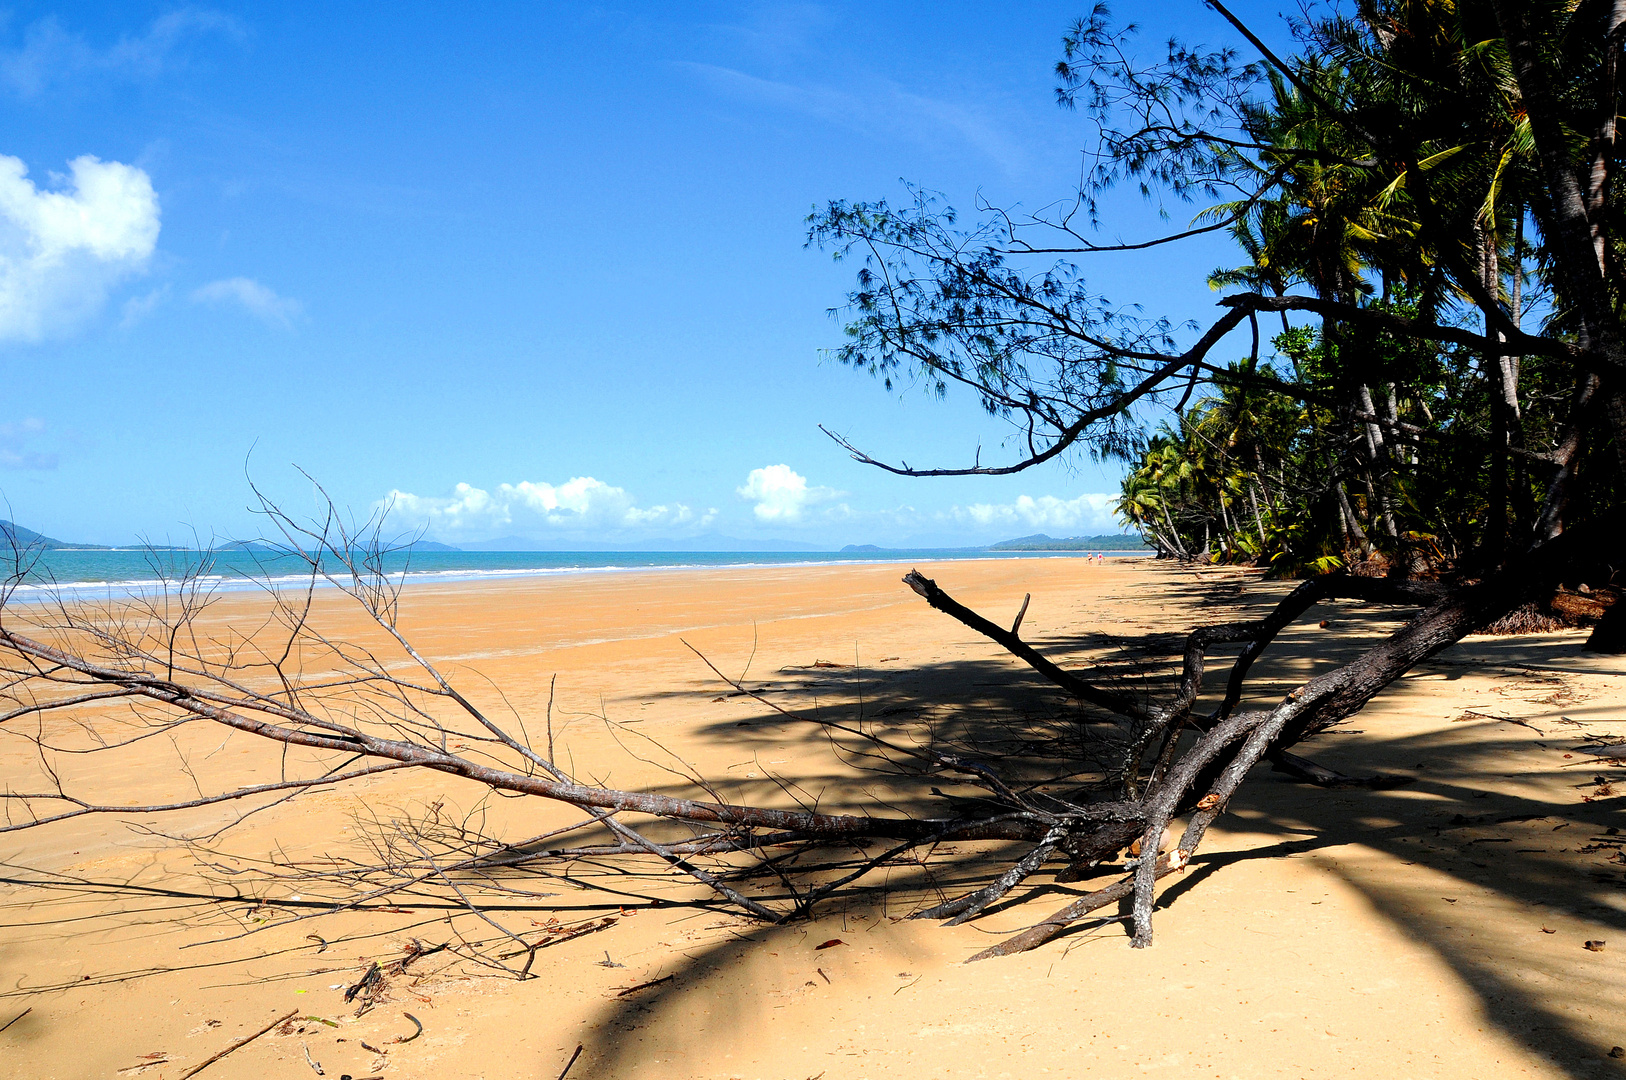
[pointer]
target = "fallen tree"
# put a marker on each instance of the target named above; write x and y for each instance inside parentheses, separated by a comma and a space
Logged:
(1070, 371)
(363, 715)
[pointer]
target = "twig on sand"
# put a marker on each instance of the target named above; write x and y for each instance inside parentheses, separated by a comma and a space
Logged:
(239, 1044)
(629, 991)
(312, 1062)
(571, 1062)
(16, 1018)
(416, 1024)
(373, 976)
(1520, 721)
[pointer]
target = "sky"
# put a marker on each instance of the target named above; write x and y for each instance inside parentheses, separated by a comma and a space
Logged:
(534, 271)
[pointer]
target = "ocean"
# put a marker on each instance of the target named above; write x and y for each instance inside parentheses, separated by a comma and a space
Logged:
(125, 572)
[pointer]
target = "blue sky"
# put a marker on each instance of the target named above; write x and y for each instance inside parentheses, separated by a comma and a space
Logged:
(527, 270)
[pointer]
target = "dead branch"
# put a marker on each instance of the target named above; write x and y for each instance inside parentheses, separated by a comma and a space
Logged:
(239, 1044)
(389, 708)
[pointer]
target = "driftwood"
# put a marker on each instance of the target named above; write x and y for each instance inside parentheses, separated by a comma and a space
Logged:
(1163, 759)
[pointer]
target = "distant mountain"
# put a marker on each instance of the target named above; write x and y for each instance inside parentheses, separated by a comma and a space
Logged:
(12, 533)
(708, 542)
(18, 536)
(1041, 542)
(262, 546)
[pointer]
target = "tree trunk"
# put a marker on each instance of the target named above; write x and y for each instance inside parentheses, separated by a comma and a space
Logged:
(1609, 636)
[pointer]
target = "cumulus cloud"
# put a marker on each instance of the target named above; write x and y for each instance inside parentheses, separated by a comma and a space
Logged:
(17, 449)
(60, 251)
(50, 54)
(1090, 514)
(581, 504)
(253, 297)
(781, 493)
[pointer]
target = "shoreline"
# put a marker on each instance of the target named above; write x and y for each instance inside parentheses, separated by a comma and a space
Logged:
(132, 588)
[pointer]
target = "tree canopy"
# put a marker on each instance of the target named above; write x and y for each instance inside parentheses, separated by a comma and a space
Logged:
(1427, 282)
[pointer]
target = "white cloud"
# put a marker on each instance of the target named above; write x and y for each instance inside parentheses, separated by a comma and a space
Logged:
(255, 298)
(781, 493)
(581, 504)
(16, 450)
(50, 54)
(1085, 515)
(138, 308)
(60, 251)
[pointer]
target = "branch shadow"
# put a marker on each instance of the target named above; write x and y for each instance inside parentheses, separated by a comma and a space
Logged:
(1460, 820)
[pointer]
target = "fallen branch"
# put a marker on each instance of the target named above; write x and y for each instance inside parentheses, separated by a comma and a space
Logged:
(239, 1044)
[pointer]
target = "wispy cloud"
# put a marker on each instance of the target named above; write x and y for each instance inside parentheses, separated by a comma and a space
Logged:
(60, 251)
(256, 299)
(580, 505)
(781, 493)
(881, 108)
(137, 308)
(50, 54)
(16, 451)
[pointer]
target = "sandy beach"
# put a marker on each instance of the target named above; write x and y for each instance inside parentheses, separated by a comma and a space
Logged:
(1431, 930)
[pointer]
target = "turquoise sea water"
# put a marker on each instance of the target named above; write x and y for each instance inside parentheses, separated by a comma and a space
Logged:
(114, 572)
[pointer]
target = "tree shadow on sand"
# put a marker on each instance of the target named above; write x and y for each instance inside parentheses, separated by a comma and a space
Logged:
(1459, 821)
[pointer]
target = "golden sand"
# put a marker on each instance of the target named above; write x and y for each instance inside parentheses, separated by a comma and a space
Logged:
(1434, 930)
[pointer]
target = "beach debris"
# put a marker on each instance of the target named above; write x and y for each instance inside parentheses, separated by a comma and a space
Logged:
(16, 1018)
(414, 950)
(1475, 714)
(829, 664)
(238, 1045)
(607, 962)
(1593, 946)
(1617, 1051)
(578, 1054)
(630, 990)
(822, 975)
(556, 933)
(1545, 930)
(417, 1029)
(1016, 624)
(312, 1062)
(321, 943)
(832, 943)
(366, 982)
